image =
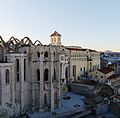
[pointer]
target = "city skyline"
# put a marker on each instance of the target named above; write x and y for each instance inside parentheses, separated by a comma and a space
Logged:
(89, 24)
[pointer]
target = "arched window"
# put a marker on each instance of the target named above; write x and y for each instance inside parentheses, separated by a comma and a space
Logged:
(46, 75)
(45, 100)
(90, 66)
(66, 73)
(24, 69)
(38, 75)
(38, 54)
(7, 77)
(54, 74)
(17, 69)
(46, 54)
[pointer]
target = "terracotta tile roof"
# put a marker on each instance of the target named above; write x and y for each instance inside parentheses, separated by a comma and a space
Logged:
(82, 49)
(55, 34)
(106, 70)
(112, 77)
(92, 50)
(76, 49)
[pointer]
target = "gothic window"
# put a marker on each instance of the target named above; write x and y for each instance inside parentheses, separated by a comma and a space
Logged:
(84, 70)
(38, 75)
(54, 54)
(46, 75)
(38, 54)
(46, 54)
(17, 69)
(90, 66)
(54, 74)
(66, 73)
(7, 77)
(45, 100)
(24, 69)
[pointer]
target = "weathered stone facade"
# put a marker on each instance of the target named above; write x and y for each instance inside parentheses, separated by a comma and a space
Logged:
(33, 75)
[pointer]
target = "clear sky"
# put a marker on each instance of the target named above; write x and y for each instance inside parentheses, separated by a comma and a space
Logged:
(91, 24)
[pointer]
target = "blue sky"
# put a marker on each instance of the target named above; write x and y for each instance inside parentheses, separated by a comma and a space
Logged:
(91, 24)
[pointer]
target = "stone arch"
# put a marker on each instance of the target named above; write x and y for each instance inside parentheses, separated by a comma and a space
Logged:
(26, 41)
(2, 43)
(37, 43)
(12, 43)
(14, 40)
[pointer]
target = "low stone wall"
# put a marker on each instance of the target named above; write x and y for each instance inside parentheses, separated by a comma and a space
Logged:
(81, 89)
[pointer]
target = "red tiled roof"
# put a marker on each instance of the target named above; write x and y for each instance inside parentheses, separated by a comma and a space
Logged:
(92, 50)
(112, 77)
(76, 49)
(82, 49)
(106, 70)
(55, 34)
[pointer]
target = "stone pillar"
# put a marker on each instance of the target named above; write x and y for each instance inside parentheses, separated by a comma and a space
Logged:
(41, 82)
(64, 67)
(59, 79)
(12, 84)
(2, 86)
(51, 70)
(21, 84)
(62, 71)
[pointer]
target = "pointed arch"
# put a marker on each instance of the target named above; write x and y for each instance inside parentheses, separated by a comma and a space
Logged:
(37, 43)
(13, 40)
(2, 43)
(26, 41)
(12, 44)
